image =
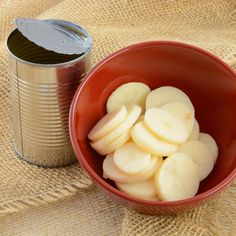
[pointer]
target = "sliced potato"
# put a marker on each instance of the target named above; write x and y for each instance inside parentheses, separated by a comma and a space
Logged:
(154, 199)
(111, 171)
(124, 127)
(177, 178)
(144, 190)
(154, 164)
(210, 143)
(139, 119)
(149, 142)
(108, 123)
(166, 94)
(129, 94)
(181, 111)
(104, 148)
(201, 155)
(165, 125)
(195, 131)
(130, 159)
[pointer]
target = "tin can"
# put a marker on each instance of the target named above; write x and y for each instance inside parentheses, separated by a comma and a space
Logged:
(43, 83)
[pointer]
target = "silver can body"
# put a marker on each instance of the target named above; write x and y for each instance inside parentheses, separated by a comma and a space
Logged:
(42, 87)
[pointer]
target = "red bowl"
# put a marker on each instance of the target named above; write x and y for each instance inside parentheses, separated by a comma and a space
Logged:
(207, 80)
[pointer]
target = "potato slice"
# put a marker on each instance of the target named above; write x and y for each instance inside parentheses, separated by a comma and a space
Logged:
(210, 143)
(177, 178)
(129, 94)
(111, 171)
(108, 123)
(181, 111)
(149, 142)
(154, 199)
(104, 148)
(165, 125)
(139, 119)
(195, 131)
(154, 164)
(145, 190)
(166, 94)
(130, 159)
(201, 155)
(131, 118)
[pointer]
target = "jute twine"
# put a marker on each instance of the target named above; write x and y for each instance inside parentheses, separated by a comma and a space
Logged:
(114, 24)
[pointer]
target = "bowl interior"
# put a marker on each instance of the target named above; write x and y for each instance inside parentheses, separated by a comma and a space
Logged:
(210, 85)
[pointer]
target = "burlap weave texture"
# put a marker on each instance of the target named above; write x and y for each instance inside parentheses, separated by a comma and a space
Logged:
(113, 25)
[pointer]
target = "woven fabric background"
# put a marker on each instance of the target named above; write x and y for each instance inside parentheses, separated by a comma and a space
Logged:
(210, 24)
(75, 216)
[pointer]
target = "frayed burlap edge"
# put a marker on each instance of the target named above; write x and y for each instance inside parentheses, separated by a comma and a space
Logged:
(44, 198)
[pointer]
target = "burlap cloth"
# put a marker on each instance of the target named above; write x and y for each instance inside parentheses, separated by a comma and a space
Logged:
(113, 24)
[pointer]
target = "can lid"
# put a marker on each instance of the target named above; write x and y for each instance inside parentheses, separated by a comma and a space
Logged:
(55, 35)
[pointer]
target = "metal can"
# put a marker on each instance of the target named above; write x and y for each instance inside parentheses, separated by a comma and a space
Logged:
(43, 83)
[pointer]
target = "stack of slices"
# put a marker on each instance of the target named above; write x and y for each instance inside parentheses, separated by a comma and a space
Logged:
(152, 143)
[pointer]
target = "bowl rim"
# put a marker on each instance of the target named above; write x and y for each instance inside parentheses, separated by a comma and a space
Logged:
(99, 180)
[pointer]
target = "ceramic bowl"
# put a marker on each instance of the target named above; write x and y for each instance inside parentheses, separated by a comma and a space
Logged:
(207, 80)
